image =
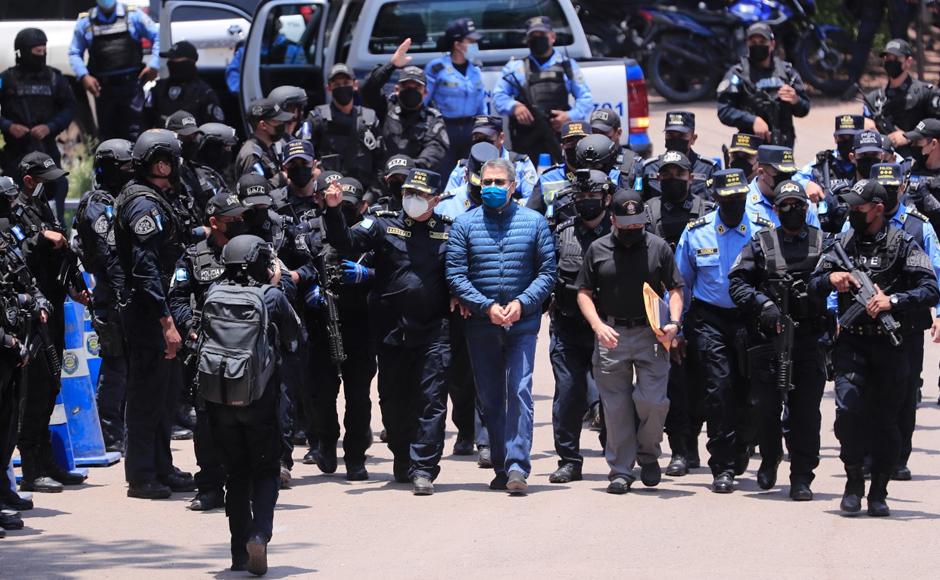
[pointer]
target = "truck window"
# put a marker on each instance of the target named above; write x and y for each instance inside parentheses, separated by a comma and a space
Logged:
(345, 33)
(289, 48)
(501, 23)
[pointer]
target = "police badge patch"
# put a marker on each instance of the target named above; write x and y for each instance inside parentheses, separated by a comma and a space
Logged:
(174, 92)
(145, 226)
(101, 225)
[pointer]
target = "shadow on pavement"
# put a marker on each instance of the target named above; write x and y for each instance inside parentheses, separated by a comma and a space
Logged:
(273, 572)
(896, 515)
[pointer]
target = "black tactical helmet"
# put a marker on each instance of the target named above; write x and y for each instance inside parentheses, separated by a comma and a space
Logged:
(248, 254)
(8, 187)
(112, 163)
(116, 150)
(28, 38)
(153, 142)
(219, 132)
(596, 152)
(287, 96)
(592, 180)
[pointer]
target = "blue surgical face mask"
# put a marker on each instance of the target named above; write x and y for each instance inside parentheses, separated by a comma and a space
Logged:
(473, 52)
(107, 5)
(494, 196)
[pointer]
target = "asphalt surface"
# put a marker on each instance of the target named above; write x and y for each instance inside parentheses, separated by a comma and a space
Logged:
(329, 528)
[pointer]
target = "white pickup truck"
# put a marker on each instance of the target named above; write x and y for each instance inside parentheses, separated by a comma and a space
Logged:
(364, 33)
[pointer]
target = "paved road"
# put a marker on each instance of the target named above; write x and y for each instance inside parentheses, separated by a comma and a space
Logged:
(329, 528)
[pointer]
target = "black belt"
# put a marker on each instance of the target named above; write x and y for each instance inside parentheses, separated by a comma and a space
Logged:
(120, 79)
(863, 330)
(459, 120)
(701, 304)
(627, 322)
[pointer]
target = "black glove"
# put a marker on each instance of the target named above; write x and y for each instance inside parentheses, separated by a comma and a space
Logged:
(769, 318)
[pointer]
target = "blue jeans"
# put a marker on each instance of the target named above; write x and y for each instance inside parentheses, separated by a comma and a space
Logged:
(502, 363)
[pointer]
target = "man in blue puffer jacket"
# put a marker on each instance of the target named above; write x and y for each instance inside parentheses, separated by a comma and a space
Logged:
(501, 267)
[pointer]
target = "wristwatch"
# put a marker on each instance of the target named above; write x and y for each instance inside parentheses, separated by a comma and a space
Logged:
(678, 324)
(894, 300)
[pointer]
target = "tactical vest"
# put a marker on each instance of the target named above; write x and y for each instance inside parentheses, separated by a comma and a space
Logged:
(914, 226)
(406, 139)
(30, 97)
(547, 88)
(103, 225)
(205, 263)
(15, 270)
(881, 263)
(570, 258)
(669, 225)
(776, 263)
(124, 238)
(112, 46)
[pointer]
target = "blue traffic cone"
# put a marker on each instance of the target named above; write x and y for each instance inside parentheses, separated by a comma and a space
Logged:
(61, 441)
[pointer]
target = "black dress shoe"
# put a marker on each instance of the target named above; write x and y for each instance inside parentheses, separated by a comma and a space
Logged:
(650, 474)
(239, 566)
(566, 473)
(180, 433)
(724, 483)
(179, 482)
(463, 446)
(678, 466)
(767, 473)
(499, 482)
(619, 485)
(356, 472)
(41, 485)
(422, 485)
(484, 459)
(13, 501)
(65, 477)
(901, 473)
(257, 555)
(516, 483)
(149, 490)
(310, 458)
(299, 438)
(327, 458)
(207, 500)
(10, 520)
(800, 491)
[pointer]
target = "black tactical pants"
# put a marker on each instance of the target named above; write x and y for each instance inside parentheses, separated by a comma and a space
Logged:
(39, 391)
(914, 351)
(119, 108)
(112, 378)
(460, 386)
(153, 387)
(10, 377)
(571, 351)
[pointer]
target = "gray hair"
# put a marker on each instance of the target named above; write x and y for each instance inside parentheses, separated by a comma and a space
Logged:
(501, 164)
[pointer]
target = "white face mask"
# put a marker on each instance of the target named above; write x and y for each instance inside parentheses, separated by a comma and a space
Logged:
(414, 205)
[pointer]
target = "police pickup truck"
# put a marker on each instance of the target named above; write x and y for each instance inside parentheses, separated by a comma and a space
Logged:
(364, 33)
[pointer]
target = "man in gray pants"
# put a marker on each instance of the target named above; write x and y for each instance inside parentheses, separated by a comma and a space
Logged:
(610, 296)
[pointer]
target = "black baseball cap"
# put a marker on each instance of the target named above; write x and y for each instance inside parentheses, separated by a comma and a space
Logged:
(605, 120)
(480, 153)
(423, 180)
(399, 165)
(40, 166)
(898, 47)
(253, 189)
(181, 49)
(729, 183)
(745, 143)
(268, 110)
(849, 124)
(460, 29)
(326, 178)
(225, 203)
(868, 142)
(489, 125)
(789, 190)
(538, 24)
(412, 73)
(628, 207)
(182, 123)
(682, 121)
(865, 191)
(675, 158)
(926, 129)
(352, 189)
(338, 69)
(574, 129)
(298, 148)
(778, 157)
(760, 29)
(886, 174)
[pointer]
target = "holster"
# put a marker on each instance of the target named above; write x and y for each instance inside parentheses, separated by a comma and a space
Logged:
(110, 334)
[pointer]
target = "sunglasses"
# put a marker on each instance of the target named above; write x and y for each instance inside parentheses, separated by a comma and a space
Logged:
(499, 182)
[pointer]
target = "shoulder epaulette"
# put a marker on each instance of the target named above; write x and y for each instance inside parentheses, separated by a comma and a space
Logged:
(82, 15)
(445, 219)
(566, 224)
(554, 166)
(446, 195)
(437, 68)
(697, 223)
(762, 221)
(386, 213)
(917, 214)
(707, 160)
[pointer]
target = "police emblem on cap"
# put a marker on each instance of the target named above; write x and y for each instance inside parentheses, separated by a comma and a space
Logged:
(534, 21)
(419, 177)
(600, 115)
(400, 162)
(920, 126)
(886, 171)
(348, 187)
(672, 157)
(332, 178)
(846, 121)
(632, 207)
(189, 121)
(255, 190)
(174, 92)
(790, 188)
(869, 137)
(732, 179)
(257, 111)
(48, 163)
(742, 139)
(859, 186)
(675, 119)
(787, 156)
(893, 44)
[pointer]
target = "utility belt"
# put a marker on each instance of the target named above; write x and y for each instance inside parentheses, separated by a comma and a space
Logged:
(117, 79)
(864, 330)
(625, 322)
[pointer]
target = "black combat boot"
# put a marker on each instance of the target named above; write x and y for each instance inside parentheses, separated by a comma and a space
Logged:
(877, 493)
(854, 489)
(33, 477)
(679, 464)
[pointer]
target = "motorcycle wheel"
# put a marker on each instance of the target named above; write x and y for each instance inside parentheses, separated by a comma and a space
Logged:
(825, 64)
(679, 71)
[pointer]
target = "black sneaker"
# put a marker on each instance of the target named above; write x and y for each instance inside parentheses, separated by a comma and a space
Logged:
(463, 446)
(311, 457)
(149, 490)
(12, 500)
(619, 485)
(650, 474)
(499, 482)
(566, 473)
(356, 472)
(10, 520)
(207, 501)
(41, 485)
(326, 459)
(901, 473)
(422, 485)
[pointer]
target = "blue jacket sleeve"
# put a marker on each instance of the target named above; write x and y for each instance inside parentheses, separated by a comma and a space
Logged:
(458, 267)
(481, 95)
(686, 266)
(583, 100)
(431, 82)
(77, 49)
(233, 71)
(504, 94)
(541, 287)
(147, 28)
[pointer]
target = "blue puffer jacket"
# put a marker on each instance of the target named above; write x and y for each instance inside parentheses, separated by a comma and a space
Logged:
(501, 256)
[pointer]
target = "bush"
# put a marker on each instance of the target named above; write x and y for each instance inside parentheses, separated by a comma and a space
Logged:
(78, 164)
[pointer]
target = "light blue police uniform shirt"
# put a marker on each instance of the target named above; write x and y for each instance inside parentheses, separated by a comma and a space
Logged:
(504, 93)
(454, 94)
(759, 206)
(526, 175)
(139, 26)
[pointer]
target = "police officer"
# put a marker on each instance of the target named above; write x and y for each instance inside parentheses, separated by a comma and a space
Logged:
(397, 168)
(347, 130)
(904, 102)
(36, 104)
(199, 267)
(572, 341)
(775, 165)
(94, 228)
(870, 384)
(112, 33)
(275, 49)
(833, 171)
(558, 176)
(680, 137)
(297, 197)
(182, 90)
(294, 100)
(489, 129)
(46, 250)
(742, 154)
(455, 87)
(149, 239)
(768, 283)
(606, 121)
(534, 93)
(414, 350)
(195, 193)
(714, 327)
(248, 438)
(668, 215)
(924, 190)
(257, 154)
(467, 195)
(215, 152)
(409, 126)
(762, 93)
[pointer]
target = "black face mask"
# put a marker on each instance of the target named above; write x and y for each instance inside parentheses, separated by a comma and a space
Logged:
(844, 148)
(475, 193)
(111, 178)
(793, 220)
(590, 208)
(181, 71)
(678, 144)
(235, 228)
(732, 211)
(920, 159)
(780, 178)
(410, 98)
(394, 189)
(893, 68)
(758, 53)
(859, 221)
(571, 157)
(343, 95)
(254, 219)
(279, 132)
(673, 189)
(863, 164)
(300, 175)
(631, 236)
(539, 45)
(215, 155)
(189, 150)
(6, 206)
(350, 213)
(894, 198)
(743, 164)
(32, 62)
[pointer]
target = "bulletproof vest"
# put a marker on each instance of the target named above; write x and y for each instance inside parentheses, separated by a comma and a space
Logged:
(782, 74)
(668, 223)
(112, 46)
(87, 248)
(124, 238)
(777, 264)
(170, 97)
(206, 263)
(879, 257)
(210, 180)
(905, 108)
(353, 144)
(14, 269)
(30, 97)
(547, 88)
(253, 147)
(570, 258)
(406, 135)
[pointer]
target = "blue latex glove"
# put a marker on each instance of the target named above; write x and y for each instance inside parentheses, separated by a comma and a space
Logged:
(354, 273)
(313, 297)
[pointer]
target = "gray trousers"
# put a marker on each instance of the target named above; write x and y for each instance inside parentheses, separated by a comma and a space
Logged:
(633, 413)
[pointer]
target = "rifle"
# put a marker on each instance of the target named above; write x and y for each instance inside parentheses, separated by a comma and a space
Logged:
(40, 340)
(861, 296)
(780, 289)
(768, 107)
(332, 279)
(876, 110)
(542, 134)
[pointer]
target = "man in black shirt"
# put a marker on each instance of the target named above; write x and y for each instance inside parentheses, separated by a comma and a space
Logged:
(610, 297)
